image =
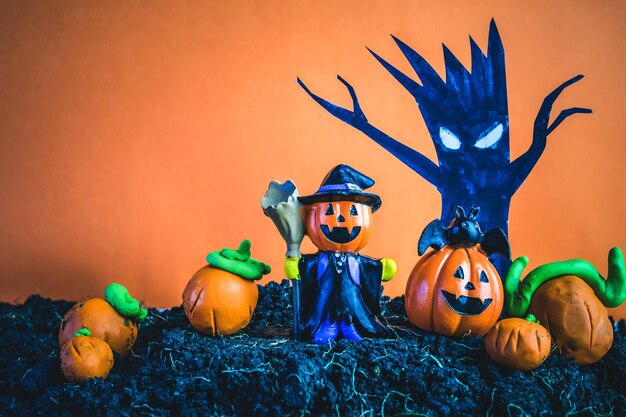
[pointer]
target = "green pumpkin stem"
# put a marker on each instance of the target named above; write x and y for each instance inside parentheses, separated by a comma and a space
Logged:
(239, 262)
(82, 332)
(531, 318)
(119, 298)
(610, 291)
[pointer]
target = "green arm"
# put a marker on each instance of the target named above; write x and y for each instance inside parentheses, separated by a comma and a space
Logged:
(117, 295)
(612, 291)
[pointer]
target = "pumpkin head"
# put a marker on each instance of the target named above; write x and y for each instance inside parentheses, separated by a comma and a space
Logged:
(340, 226)
(519, 344)
(454, 291)
(84, 357)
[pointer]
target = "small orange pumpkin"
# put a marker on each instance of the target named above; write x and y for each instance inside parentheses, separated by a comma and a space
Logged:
(340, 226)
(84, 357)
(220, 302)
(103, 319)
(519, 344)
(454, 291)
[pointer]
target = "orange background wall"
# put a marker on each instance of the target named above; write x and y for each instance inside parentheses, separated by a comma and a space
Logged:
(137, 136)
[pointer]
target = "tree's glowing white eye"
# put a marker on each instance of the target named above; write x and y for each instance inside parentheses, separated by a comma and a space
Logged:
(449, 139)
(490, 137)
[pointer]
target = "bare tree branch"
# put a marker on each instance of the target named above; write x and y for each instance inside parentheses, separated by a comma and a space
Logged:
(564, 115)
(521, 167)
(356, 118)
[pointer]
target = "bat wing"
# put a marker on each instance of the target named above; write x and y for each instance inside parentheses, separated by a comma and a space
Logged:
(434, 235)
(495, 241)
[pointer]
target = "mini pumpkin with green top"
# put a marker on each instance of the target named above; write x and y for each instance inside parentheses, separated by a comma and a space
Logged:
(113, 319)
(521, 344)
(85, 356)
(221, 297)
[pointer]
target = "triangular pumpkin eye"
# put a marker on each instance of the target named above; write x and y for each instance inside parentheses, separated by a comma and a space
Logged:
(353, 211)
(330, 210)
(483, 277)
(459, 273)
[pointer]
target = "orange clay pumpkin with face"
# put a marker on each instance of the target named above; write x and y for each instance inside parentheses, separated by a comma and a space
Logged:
(221, 297)
(84, 357)
(519, 344)
(454, 291)
(340, 226)
(113, 320)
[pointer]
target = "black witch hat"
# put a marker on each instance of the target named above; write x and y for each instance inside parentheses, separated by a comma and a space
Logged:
(344, 183)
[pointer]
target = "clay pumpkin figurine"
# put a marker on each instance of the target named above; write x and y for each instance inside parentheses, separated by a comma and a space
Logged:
(454, 290)
(221, 297)
(570, 298)
(84, 357)
(114, 319)
(521, 344)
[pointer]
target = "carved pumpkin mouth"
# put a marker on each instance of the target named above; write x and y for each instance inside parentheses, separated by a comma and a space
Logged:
(468, 306)
(340, 234)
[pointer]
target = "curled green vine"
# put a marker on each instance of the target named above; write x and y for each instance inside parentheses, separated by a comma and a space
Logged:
(610, 291)
(239, 262)
(117, 295)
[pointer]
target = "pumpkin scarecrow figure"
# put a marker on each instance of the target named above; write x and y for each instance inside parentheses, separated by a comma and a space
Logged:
(340, 288)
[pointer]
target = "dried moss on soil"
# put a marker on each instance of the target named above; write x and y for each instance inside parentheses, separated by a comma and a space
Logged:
(173, 370)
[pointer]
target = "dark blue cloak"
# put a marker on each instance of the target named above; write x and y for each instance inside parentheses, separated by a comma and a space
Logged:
(341, 286)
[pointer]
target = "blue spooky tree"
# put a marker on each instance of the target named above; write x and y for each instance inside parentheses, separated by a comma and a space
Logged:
(467, 117)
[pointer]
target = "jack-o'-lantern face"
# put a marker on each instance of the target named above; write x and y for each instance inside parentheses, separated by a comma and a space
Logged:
(341, 226)
(469, 304)
(453, 291)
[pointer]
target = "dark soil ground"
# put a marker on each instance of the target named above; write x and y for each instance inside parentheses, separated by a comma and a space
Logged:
(174, 370)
